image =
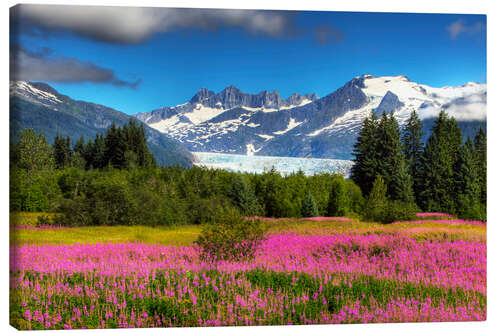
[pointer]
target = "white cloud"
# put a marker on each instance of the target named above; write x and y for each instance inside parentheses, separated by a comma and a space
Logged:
(470, 108)
(130, 25)
(459, 27)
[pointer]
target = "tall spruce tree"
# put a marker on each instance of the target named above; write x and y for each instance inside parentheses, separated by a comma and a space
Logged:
(436, 167)
(389, 153)
(136, 145)
(79, 146)
(244, 197)
(363, 172)
(115, 147)
(62, 152)
(309, 206)
(99, 158)
(79, 154)
(403, 182)
(412, 145)
(480, 156)
(467, 183)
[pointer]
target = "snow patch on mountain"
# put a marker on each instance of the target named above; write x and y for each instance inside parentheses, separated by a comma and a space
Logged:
(27, 90)
(399, 85)
(251, 149)
(291, 125)
(265, 137)
(202, 113)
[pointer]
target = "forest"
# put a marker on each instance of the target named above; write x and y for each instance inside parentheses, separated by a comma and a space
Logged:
(115, 180)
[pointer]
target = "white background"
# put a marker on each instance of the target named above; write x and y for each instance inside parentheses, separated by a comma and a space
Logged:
(419, 6)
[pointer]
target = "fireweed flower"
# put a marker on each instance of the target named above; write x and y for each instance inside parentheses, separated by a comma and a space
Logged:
(141, 285)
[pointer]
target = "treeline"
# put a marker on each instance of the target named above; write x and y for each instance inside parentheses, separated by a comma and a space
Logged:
(112, 180)
(397, 172)
(121, 147)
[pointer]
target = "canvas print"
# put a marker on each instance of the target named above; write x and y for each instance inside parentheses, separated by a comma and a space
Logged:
(180, 167)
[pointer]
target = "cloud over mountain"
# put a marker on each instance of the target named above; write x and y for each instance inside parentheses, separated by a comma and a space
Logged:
(44, 66)
(132, 25)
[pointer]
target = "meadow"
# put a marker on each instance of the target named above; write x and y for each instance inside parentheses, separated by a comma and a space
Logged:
(307, 271)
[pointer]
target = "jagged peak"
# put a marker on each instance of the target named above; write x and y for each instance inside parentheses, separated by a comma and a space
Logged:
(230, 88)
(201, 95)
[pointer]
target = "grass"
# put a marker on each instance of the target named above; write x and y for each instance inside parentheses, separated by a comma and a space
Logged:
(419, 231)
(25, 218)
(180, 235)
(186, 234)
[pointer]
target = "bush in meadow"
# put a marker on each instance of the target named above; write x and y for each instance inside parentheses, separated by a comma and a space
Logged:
(230, 237)
(398, 211)
(380, 209)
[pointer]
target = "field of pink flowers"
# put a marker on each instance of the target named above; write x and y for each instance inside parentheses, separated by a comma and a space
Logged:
(294, 279)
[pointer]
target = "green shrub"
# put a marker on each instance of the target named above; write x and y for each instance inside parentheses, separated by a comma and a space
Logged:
(398, 211)
(378, 208)
(229, 237)
(43, 220)
(75, 212)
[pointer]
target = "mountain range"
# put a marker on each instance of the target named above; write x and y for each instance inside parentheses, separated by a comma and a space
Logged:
(235, 122)
(265, 124)
(39, 106)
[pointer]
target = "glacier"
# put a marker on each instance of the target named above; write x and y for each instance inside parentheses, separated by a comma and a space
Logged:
(283, 165)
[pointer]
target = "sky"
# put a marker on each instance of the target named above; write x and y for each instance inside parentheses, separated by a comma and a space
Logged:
(138, 59)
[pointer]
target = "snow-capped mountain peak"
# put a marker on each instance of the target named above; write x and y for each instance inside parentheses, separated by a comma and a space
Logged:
(206, 105)
(233, 121)
(39, 93)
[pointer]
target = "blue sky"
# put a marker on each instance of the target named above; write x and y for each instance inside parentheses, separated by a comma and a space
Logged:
(163, 59)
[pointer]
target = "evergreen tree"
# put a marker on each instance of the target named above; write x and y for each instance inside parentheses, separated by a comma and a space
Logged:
(99, 155)
(480, 156)
(79, 146)
(403, 182)
(243, 197)
(79, 154)
(364, 169)
(115, 147)
(78, 161)
(62, 152)
(309, 207)
(412, 145)
(467, 183)
(135, 138)
(389, 152)
(269, 190)
(377, 201)
(436, 167)
(338, 203)
(34, 154)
